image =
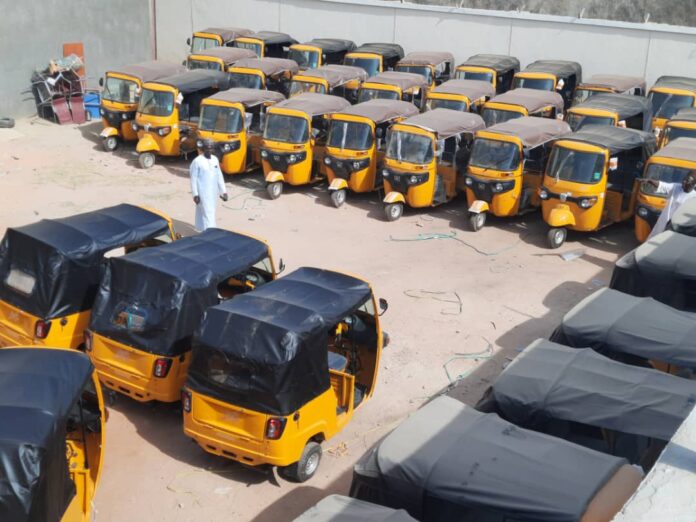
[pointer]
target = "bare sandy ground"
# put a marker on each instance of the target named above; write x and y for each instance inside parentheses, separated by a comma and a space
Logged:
(449, 297)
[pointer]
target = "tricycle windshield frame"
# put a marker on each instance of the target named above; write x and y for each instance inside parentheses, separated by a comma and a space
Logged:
(201, 43)
(367, 94)
(541, 84)
(494, 116)
(351, 135)
(577, 121)
(666, 105)
(285, 128)
(204, 64)
(247, 80)
(443, 103)
(495, 154)
(423, 70)
(664, 173)
(409, 147)
(474, 75)
(576, 166)
(370, 65)
(218, 118)
(120, 90)
(156, 103)
(305, 58)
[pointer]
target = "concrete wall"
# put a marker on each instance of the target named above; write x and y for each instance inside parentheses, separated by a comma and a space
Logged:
(648, 50)
(33, 31)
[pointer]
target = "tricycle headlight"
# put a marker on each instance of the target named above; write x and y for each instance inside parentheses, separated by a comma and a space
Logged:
(134, 126)
(587, 202)
(327, 160)
(385, 173)
(469, 182)
(264, 153)
(292, 158)
(543, 194)
(102, 112)
(226, 147)
(356, 165)
(124, 116)
(498, 187)
(413, 179)
(199, 144)
(643, 212)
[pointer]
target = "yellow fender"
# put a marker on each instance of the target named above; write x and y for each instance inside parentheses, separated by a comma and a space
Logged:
(338, 184)
(274, 176)
(479, 206)
(394, 197)
(108, 132)
(561, 216)
(147, 144)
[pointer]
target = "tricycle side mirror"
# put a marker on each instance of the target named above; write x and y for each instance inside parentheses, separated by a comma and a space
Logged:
(188, 41)
(383, 305)
(281, 266)
(183, 62)
(101, 82)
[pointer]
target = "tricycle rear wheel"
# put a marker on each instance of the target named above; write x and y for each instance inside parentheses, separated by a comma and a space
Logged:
(305, 468)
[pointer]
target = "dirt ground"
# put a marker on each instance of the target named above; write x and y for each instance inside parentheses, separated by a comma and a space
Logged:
(452, 294)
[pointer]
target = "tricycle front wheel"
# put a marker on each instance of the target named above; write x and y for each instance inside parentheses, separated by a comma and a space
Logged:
(338, 197)
(146, 160)
(477, 220)
(110, 143)
(393, 211)
(274, 189)
(556, 237)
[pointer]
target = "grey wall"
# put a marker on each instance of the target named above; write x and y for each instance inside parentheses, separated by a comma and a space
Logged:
(33, 31)
(648, 50)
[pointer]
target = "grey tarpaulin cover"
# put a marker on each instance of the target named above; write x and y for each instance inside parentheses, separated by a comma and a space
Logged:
(227, 33)
(269, 66)
(615, 82)
(676, 82)
(664, 268)
(559, 68)
(64, 256)
(684, 218)
(149, 71)
(449, 462)
(229, 55)
(337, 508)
(533, 100)
(332, 45)
(500, 63)
(314, 104)
(272, 37)
(685, 114)
(446, 122)
(615, 139)
(623, 105)
(38, 388)
(247, 97)
(171, 286)
(196, 80)
(472, 89)
(532, 131)
(401, 80)
(272, 342)
(387, 50)
(335, 75)
(551, 381)
(612, 322)
(380, 110)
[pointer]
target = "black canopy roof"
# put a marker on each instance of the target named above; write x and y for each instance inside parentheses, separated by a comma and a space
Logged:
(38, 388)
(196, 80)
(612, 322)
(615, 139)
(559, 68)
(171, 286)
(676, 82)
(337, 508)
(272, 37)
(685, 114)
(500, 63)
(273, 340)
(551, 381)
(664, 268)
(149, 71)
(684, 218)
(226, 33)
(332, 45)
(450, 462)
(388, 50)
(623, 105)
(64, 256)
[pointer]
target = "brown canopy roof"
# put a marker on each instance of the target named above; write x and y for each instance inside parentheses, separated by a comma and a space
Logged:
(428, 58)
(150, 71)
(676, 82)
(472, 89)
(531, 99)
(446, 122)
(272, 37)
(247, 97)
(500, 63)
(229, 55)
(314, 104)
(685, 114)
(402, 80)
(616, 82)
(336, 74)
(559, 68)
(269, 66)
(532, 131)
(681, 148)
(379, 110)
(227, 33)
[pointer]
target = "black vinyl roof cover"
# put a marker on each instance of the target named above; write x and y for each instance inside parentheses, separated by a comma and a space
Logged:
(275, 338)
(332, 45)
(38, 388)
(684, 218)
(500, 63)
(615, 139)
(624, 105)
(685, 114)
(337, 508)
(676, 82)
(197, 80)
(65, 256)
(272, 37)
(449, 462)
(664, 268)
(612, 322)
(560, 68)
(551, 381)
(173, 285)
(388, 50)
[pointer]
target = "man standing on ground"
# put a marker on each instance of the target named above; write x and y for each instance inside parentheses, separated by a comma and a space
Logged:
(677, 194)
(207, 184)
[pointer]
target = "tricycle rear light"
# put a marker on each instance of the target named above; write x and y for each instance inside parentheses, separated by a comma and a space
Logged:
(162, 366)
(275, 427)
(88, 341)
(41, 329)
(186, 400)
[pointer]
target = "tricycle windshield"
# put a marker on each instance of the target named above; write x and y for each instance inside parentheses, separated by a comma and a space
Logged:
(666, 105)
(288, 129)
(119, 90)
(374, 94)
(305, 59)
(664, 173)
(439, 103)
(370, 65)
(409, 147)
(474, 75)
(493, 116)
(672, 133)
(156, 103)
(577, 121)
(541, 84)
(215, 118)
(582, 94)
(256, 47)
(576, 166)
(199, 44)
(204, 64)
(250, 81)
(494, 154)
(423, 70)
(300, 87)
(350, 135)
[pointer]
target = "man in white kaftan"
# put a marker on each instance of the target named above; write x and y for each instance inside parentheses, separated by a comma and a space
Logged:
(207, 184)
(677, 194)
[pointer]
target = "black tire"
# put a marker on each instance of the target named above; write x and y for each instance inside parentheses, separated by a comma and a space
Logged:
(393, 211)
(338, 197)
(556, 237)
(110, 143)
(305, 468)
(477, 220)
(6, 123)
(274, 189)
(146, 160)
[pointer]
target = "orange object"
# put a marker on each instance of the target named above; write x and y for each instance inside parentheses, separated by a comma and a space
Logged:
(78, 49)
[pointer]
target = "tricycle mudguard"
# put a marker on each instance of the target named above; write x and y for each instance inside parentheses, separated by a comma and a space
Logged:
(394, 197)
(147, 144)
(107, 132)
(338, 184)
(561, 216)
(274, 176)
(479, 206)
